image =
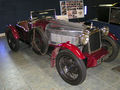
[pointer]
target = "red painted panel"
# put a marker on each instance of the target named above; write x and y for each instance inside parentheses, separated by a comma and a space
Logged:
(40, 23)
(92, 58)
(112, 36)
(14, 31)
(74, 49)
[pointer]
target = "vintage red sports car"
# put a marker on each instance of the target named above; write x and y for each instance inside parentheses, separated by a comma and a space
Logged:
(73, 46)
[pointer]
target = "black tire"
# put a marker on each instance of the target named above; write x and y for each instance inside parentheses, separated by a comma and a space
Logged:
(72, 66)
(112, 47)
(39, 41)
(12, 42)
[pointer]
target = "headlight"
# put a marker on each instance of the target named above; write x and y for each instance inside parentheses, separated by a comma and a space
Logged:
(105, 30)
(84, 38)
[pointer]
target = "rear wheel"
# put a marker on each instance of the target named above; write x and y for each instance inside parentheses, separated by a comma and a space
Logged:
(70, 68)
(12, 42)
(112, 47)
(39, 41)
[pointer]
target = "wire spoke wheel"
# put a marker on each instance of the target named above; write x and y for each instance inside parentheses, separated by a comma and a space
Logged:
(109, 48)
(39, 41)
(112, 47)
(12, 42)
(70, 68)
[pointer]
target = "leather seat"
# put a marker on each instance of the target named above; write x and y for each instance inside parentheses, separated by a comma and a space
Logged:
(24, 24)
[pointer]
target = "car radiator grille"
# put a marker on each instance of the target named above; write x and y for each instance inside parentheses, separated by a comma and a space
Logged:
(94, 42)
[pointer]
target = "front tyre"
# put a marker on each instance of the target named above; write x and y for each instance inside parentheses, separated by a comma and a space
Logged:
(12, 42)
(70, 68)
(112, 47)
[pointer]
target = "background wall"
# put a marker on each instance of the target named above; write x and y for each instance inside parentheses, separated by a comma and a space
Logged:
(12, 11)
(92, 10)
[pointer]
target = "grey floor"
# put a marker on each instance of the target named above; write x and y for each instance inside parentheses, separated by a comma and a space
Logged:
(24, 70)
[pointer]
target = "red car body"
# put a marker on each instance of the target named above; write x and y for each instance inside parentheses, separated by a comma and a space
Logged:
(73, 46)
(91, 58)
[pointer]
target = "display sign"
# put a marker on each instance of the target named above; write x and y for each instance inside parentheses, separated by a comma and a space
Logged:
(74, 9)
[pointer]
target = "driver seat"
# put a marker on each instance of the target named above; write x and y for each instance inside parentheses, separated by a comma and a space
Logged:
(24, 25)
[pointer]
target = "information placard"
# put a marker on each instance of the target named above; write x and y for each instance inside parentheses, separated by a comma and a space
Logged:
(74, 9)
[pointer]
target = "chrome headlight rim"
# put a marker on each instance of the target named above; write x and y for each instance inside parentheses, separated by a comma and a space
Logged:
(105, 30)
(84, 38)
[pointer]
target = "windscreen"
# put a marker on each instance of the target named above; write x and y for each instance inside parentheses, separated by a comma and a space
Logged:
(43, 14)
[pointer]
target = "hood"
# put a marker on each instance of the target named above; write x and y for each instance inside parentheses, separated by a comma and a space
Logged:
(65, 28)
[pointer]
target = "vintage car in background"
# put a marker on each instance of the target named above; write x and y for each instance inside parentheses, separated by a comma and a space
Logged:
(74, 47)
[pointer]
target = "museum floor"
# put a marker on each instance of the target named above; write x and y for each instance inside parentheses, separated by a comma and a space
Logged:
(24, 70)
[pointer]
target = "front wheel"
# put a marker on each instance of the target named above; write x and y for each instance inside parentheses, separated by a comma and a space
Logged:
(112, 47)
(70, 68)
(12, 42)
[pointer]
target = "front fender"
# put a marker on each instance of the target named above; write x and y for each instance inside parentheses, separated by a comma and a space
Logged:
(73, 49)
(14, 31)
(112, 36)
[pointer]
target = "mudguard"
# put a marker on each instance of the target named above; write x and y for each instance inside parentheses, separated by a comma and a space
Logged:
(73, 49)
(69, 46)
(112, 36)
(14, 31)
